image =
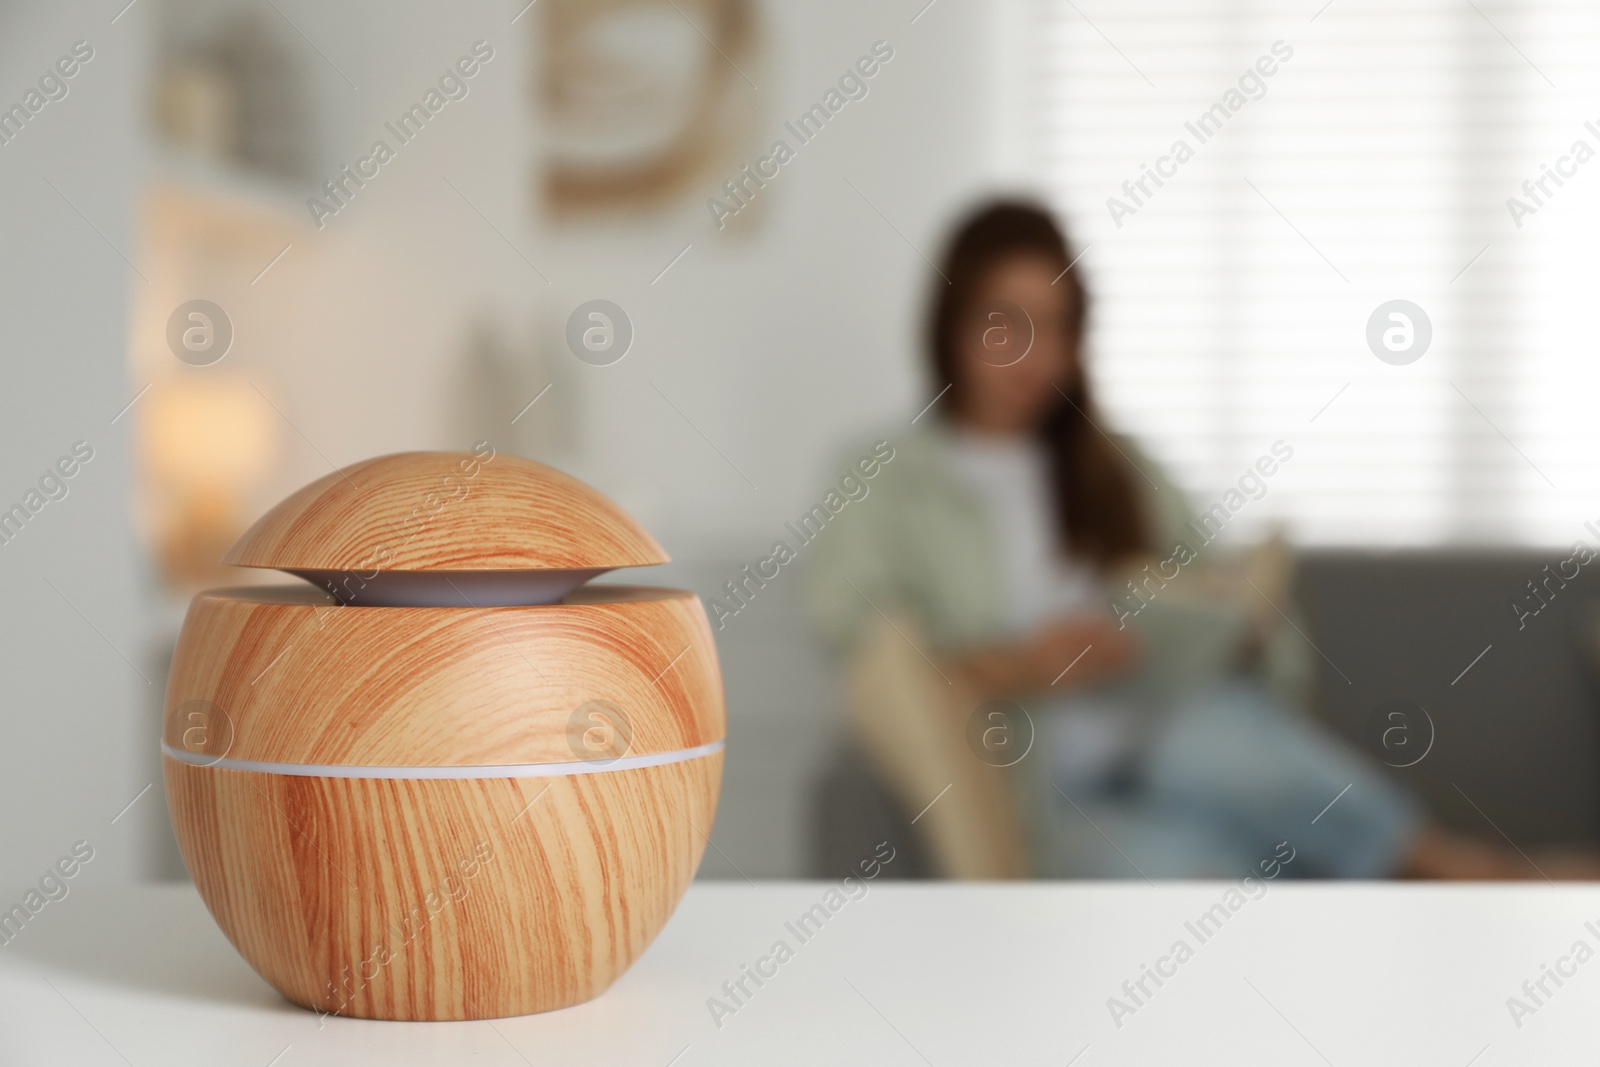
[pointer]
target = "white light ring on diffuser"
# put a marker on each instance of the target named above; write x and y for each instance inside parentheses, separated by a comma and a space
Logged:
(498, 770)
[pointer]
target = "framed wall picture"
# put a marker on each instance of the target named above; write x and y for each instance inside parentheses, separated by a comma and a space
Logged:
(643, 102)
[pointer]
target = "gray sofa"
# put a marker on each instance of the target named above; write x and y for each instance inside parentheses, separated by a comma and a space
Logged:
(1515, 740)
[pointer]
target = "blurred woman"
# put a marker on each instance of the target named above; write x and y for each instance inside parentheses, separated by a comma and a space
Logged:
(1009, 518)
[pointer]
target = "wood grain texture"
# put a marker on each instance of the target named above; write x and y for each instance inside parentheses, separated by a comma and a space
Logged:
(423, 898)
(446, 511)
(354, 895)
(285, 675)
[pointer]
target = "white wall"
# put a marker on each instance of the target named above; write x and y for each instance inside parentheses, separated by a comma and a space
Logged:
(774, 344)
(71, 702)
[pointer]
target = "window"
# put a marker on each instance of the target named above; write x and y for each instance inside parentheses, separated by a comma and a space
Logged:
(1374, 163)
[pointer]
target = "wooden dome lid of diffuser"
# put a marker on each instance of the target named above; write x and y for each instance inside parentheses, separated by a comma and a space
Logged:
(446, 511)
(443, 808)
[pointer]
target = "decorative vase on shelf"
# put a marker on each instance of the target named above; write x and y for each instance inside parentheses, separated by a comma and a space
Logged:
(449, 779)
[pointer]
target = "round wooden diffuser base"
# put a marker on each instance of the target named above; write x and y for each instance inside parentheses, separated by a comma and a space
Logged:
(442, 899)
(427, 813)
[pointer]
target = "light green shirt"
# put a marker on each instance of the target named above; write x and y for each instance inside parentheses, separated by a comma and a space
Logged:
(921, 542)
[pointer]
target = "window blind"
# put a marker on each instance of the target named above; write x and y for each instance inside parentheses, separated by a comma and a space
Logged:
(1377, 161)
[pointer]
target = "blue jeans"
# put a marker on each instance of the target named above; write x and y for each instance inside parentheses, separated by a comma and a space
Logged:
(1226, 778)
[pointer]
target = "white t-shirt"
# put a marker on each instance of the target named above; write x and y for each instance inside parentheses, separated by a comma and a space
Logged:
(1083, 736)
(1011, 475)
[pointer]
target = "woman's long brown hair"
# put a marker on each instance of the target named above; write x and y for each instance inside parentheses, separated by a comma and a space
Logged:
(1100, 512)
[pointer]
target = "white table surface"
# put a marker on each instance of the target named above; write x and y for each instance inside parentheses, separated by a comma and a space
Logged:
(908, 974)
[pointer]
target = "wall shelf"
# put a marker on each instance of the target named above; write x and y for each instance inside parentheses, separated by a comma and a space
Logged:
(190, 191)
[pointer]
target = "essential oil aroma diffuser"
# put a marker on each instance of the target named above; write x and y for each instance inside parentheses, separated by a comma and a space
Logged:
(458, 782)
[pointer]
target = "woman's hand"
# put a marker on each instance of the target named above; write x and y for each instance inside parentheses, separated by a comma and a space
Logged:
(1073, 653)
(1079, 653)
